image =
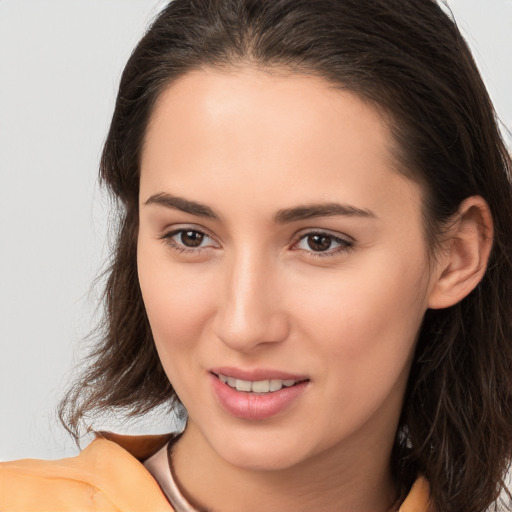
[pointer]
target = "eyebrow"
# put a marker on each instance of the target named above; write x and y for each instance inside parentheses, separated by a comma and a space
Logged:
(284, 216)
(179, 203)
(321, 210)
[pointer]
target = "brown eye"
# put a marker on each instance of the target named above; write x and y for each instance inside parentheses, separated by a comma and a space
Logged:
(319, 243)
(191, 238)
(187, 240)
(324, 244)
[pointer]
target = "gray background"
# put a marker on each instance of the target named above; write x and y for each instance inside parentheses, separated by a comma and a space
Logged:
(60, 62)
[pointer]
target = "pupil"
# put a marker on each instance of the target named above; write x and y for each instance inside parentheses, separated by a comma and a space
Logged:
(319, 242)
(192, 238)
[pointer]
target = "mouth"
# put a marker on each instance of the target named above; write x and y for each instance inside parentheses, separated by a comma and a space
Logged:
(258, 386)
(258, 394)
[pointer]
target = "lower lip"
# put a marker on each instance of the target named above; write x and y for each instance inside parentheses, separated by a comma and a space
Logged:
(255, 406)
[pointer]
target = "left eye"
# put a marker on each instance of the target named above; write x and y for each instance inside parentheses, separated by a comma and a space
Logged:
(322, 242)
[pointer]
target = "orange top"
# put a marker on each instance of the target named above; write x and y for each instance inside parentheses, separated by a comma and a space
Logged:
(107, 476)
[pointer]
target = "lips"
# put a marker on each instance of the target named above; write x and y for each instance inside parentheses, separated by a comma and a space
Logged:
(256, 374)
(256, 395)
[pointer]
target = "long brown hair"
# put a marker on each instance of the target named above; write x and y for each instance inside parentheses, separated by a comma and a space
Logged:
(409, 59)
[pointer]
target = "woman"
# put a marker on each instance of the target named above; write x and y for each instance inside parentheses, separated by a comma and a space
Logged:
(313, 259)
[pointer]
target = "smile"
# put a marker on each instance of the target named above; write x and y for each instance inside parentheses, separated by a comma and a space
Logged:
(259, 386)
(256, 399)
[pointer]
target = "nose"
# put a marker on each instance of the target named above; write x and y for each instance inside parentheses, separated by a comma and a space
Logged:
(250, 311)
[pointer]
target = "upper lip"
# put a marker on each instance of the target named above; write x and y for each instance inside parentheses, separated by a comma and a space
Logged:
(256, 374)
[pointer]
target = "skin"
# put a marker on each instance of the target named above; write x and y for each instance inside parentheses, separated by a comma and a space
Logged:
(247, 144)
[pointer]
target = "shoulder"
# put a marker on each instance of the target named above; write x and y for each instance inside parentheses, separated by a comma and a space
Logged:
(418, 499)
(106, 476)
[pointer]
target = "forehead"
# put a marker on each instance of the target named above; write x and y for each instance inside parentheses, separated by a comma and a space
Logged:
(250, 99)
(217, 130)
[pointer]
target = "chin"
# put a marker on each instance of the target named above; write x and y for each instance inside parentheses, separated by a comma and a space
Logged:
(262, 462)
(262, 454)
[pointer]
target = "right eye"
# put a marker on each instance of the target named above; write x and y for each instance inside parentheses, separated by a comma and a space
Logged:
(188, 240)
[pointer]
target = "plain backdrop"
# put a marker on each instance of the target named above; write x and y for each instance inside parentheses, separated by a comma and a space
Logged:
(60, 63)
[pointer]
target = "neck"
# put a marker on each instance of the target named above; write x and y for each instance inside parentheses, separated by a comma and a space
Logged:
(348, 478)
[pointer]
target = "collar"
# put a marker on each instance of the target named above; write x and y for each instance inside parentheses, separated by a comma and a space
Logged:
(146, 446)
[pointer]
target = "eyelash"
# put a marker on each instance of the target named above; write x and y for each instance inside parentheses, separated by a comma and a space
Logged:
(345, 245)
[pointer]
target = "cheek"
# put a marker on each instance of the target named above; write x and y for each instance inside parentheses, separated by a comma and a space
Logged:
(365, 319)
(178, 306)
(177, 300)
(364, 336)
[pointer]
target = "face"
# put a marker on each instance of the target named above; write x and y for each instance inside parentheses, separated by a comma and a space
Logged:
(282, 263)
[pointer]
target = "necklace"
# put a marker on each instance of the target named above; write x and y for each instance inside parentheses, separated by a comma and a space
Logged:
(160, 467)
(178, 501)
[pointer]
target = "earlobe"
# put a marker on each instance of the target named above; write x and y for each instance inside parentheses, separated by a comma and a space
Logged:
(465, 254)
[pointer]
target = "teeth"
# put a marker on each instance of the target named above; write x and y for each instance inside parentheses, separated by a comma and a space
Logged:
(275, 385)
(259, 386)
(243, 385)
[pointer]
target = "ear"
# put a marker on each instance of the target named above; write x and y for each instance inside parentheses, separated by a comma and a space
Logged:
(464, 255)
